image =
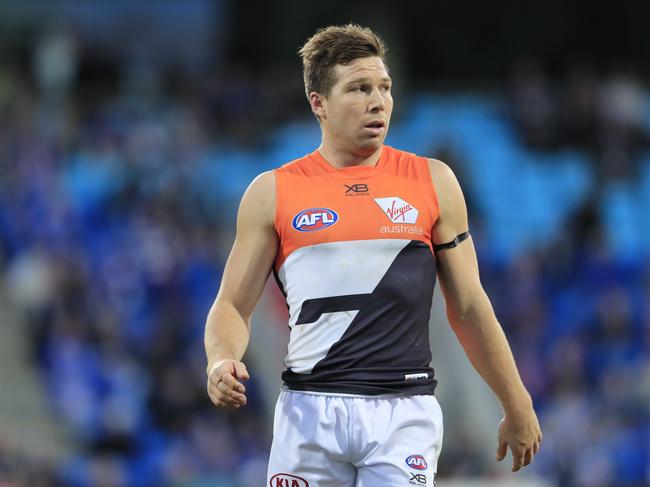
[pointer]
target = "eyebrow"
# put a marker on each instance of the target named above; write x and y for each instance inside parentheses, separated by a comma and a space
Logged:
(362, 80)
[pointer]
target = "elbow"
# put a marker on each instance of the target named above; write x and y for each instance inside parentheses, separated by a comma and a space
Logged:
(460, 312)
(470, 311)
(226, 311)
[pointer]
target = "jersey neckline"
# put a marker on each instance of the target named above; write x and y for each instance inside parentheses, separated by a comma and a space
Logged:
(353, 171)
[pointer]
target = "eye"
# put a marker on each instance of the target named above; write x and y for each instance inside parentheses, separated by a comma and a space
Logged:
(363, 88)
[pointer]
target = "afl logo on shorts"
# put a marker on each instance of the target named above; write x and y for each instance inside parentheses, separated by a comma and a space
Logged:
(417, 462)
(286, 480)
(314, 219)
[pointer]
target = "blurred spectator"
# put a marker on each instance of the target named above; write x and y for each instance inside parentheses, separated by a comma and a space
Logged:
(56, 63)
(533, 103)
(579, 108)
(622, 121)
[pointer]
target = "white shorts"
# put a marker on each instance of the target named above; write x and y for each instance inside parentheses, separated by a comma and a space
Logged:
(326, 440)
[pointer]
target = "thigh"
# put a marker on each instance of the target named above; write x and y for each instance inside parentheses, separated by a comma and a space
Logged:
(407, 438)
(309, 446)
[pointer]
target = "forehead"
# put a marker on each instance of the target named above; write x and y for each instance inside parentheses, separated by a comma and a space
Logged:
(365, 67)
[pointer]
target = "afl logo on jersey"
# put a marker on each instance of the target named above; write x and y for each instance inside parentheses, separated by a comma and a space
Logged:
(314, 219)
(417, 462)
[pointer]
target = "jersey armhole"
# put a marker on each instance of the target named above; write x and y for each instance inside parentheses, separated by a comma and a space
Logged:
(429, 185)
(281, 203)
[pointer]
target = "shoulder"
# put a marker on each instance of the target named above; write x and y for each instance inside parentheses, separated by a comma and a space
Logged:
(450, 195)
(259, 197)
(262, 188)
(443, 178)
(441, 173)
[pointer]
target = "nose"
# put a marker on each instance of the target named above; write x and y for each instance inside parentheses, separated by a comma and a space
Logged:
(377, 102)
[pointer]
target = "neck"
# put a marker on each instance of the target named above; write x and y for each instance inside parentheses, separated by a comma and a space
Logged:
(342, 158)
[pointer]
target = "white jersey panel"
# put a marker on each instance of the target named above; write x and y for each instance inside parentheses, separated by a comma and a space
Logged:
(307, 347)
(328, 270)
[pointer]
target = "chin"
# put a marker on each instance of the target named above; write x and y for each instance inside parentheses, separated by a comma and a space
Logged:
(370, 146)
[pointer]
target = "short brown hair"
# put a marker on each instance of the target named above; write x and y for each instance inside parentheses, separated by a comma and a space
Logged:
(336, 44)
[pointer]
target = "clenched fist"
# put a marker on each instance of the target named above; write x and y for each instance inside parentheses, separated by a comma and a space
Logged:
(224, 383)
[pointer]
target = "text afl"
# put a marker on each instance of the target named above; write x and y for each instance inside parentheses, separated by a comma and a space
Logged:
(417, 462)
(314, 219)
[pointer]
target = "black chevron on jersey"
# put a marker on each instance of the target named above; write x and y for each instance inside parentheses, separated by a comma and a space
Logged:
(387, 343)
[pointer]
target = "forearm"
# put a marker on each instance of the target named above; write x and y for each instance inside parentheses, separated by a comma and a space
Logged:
(487, 348)
(226, 333)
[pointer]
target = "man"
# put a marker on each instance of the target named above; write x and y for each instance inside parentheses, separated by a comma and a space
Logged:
(355, 234)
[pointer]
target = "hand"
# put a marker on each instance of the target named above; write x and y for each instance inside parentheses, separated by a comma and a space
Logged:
(224, 386)
(522, 433)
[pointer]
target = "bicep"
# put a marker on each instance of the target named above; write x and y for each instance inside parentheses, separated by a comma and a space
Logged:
(457, 266)
(452, 219)
(459, 276)
(251, 258)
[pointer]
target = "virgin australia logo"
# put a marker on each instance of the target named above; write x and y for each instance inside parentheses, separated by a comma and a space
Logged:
(398, 210)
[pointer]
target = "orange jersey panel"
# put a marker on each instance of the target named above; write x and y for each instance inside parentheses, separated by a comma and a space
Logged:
(317, 203)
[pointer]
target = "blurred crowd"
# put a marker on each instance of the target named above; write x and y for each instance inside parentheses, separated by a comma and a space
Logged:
(578, 319)
(113, 238)
(112, 242)
(604, 114)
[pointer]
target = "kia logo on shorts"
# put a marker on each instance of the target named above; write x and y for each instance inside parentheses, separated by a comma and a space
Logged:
(417, 462)
(287, 480)
(314, 219)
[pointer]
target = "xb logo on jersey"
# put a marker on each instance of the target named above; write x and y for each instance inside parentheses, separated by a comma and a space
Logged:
(356, 189)
(398, 210)
(314, 219)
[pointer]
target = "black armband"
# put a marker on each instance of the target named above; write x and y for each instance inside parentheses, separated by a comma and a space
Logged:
(453, 243)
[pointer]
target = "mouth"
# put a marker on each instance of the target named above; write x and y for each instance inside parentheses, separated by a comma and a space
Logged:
(376, 127)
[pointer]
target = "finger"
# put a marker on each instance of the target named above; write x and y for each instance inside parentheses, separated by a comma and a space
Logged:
(238, 400)
(221, 391)
(528, 457)
(535, 447)
(225, 388)
(502, 449)
(222, 400)
(229, 390)
(240, 371)
(517, 459)
(233, 383)
(230, 393)
(215, 398)
(218, 370)
(215, 378)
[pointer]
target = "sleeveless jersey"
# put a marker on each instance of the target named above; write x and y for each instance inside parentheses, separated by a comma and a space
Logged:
(357, 268)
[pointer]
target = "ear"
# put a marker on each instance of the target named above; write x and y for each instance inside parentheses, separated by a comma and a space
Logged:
(318, 104)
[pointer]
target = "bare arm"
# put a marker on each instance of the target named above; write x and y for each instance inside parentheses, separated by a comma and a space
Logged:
(473, 320)
(227, 328)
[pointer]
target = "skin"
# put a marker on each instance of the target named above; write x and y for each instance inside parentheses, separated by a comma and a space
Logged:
(360, 95)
